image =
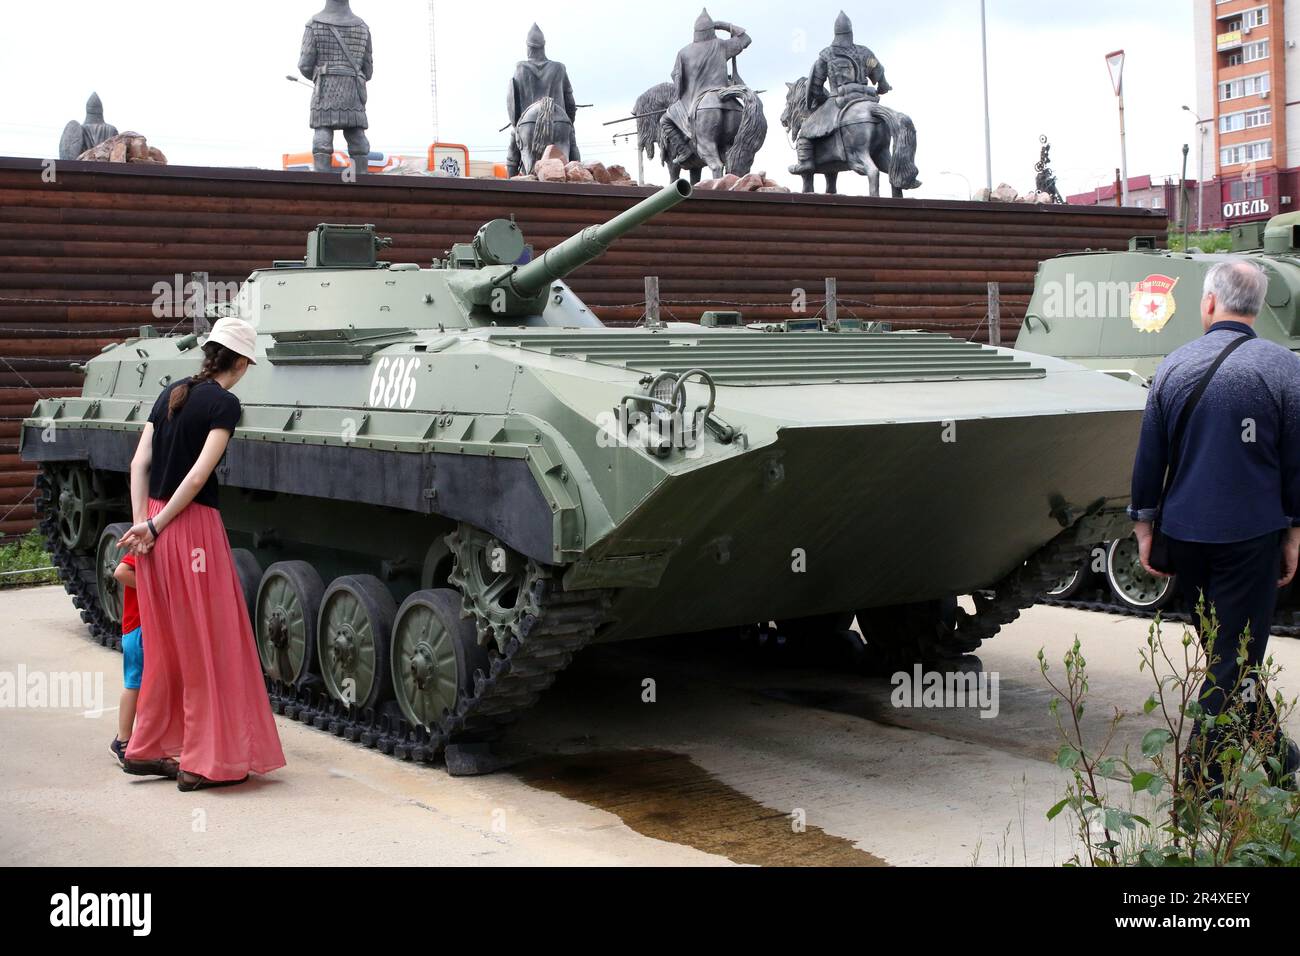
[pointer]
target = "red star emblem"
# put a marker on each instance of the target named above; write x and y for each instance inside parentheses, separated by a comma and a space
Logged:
(1153, 307)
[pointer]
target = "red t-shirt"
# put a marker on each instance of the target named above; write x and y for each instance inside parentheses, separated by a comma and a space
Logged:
(130, 603)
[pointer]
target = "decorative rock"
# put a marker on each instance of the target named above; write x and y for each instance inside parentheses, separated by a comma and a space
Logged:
(1005, 193)
(554, 152)
(749, 183)
(620, 176)
(575, 172)
(124, 148)
(983, 194)
(773, 189)
(550, 170)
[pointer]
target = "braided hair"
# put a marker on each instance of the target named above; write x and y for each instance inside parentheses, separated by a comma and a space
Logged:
(217, 359)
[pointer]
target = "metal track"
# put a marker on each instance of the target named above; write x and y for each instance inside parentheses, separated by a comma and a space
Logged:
(564, 623)
(1021, 589)
(1286, 622)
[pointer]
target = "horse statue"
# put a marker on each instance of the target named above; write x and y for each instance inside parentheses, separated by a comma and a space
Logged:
(543, 124)
(652, 136)
(728, 126)
(868, 138)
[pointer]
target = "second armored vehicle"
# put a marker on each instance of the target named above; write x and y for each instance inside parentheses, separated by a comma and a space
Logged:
(1122, 313)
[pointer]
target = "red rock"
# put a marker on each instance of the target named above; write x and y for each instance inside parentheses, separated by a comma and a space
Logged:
(726, 182)
(549, 170)
(618, 172)
(772, 189)
(117, 152)
(575, 172)
(599, 173)
(709, 184)
(529, 178)
(554, 152)
(748, 184)
(156, 156)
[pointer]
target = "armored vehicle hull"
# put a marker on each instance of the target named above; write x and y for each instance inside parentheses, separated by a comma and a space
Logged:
(446, 481)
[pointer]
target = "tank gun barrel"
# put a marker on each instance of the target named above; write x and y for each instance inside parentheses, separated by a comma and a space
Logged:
(560, 260)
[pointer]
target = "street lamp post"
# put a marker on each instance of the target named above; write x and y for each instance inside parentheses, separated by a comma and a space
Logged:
(948, 172)
(1200, 171)
(988, 140)
(1115, 63)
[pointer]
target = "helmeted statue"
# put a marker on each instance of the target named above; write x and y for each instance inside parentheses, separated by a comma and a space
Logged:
(838, 124)
(79, 137)
(539, 91)
(852, 73)
(338, 57)
(701, 68)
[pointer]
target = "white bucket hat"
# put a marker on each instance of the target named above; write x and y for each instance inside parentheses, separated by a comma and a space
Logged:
(236, 335)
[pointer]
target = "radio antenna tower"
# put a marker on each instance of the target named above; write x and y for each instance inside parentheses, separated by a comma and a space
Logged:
(433, 70)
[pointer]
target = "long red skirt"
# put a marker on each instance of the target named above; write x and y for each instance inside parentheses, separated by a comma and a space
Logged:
(202, 700)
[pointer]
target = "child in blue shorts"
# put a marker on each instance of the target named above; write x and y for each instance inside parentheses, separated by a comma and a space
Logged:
(132, 656)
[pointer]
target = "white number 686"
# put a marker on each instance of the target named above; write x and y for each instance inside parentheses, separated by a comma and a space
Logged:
(393, 384)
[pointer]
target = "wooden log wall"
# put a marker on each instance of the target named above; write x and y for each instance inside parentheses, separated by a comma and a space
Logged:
(80, 255)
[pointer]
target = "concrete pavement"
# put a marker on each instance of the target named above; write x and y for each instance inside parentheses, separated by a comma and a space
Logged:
(737, 759)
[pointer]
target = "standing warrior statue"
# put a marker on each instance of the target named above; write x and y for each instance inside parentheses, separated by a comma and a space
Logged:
(338, 57)
(79, 137)
(539, 90)
(850, 71)
(701, 68)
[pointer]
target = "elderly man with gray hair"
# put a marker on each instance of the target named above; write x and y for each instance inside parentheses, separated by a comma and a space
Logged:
(1216, 486)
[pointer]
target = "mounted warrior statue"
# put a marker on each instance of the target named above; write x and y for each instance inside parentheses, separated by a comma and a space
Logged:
(79, 137)
(847, 128)
(541, 107)
(337, 56)
(714, 119)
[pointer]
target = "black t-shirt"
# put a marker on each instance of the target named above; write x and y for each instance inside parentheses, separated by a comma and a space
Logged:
(178, 442)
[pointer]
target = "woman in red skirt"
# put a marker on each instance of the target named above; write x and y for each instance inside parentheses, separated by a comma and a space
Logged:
(203, 718)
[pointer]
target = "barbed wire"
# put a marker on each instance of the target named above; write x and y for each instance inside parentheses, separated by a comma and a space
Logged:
(69, 332)
(32, 300)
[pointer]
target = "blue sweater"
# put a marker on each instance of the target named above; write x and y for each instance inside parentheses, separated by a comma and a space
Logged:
(1239, 470)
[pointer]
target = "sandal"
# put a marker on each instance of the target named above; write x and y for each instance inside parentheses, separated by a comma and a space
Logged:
(163, 767)
(186, 781)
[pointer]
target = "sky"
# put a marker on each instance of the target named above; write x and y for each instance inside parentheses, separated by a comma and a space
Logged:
(205, 82)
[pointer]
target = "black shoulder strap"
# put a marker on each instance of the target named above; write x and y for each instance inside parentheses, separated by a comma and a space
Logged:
(1176, 440)
(352, 60)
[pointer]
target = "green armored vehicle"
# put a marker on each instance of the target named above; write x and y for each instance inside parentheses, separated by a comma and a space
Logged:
(447, 480)
(1122, 313)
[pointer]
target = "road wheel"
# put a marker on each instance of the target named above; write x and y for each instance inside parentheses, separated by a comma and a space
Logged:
(107, 557)
(284, 620)
(1130, 583)
(435, 656)
(353, 635)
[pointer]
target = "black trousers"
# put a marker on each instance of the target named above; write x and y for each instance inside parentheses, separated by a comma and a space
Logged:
(1239, 580)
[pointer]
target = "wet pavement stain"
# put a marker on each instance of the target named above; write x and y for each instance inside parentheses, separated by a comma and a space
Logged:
(667, 796)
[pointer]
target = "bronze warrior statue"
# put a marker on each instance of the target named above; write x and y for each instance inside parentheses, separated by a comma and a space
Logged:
(79, 137)
(700, 68)
(838, 124)
(852, 72)
(338, 57)
(541, 108)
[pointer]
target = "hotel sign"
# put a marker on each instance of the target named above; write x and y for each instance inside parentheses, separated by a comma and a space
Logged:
(1230, 39)
(1246, 207)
